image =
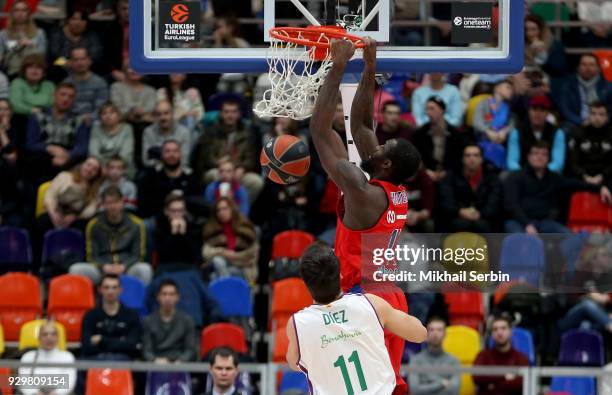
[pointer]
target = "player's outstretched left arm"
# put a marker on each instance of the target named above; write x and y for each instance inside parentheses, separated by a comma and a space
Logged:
(403, 325)
(362, 109)
(293, 352)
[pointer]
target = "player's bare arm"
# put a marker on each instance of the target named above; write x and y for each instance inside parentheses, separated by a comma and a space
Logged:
(293, 353)
(362, 110)
(398, 322)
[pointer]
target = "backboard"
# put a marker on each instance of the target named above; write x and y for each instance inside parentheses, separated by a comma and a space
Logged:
(484, 36)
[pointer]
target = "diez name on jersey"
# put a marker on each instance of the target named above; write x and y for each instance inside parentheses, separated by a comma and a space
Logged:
(399, 198)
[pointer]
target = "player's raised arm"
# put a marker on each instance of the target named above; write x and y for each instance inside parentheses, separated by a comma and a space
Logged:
(331, 150)
(398, 322)
(362, 110)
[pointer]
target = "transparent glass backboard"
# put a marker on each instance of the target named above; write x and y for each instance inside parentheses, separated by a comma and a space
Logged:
(415, 36)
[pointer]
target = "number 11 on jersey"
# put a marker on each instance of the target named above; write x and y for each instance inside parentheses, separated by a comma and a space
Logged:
(354, 358)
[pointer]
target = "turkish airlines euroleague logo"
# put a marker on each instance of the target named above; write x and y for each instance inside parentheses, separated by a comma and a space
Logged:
(179, 13)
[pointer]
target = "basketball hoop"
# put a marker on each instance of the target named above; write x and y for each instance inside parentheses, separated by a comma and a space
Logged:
(299, 60)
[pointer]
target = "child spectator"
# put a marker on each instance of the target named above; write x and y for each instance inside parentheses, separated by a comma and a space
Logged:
(228, 186)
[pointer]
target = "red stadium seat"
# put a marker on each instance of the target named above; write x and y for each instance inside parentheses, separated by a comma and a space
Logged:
(108, 381)
(289, 296)
(605, 62)
(20, 302)
(291, 244)
(223, 335)
(589, 213)
(465, 308)
(5, 390)
(281, 344)
(70, 297)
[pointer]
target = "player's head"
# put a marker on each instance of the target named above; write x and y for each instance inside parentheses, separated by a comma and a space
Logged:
(501, 330)
(396, 161)
(320, 271)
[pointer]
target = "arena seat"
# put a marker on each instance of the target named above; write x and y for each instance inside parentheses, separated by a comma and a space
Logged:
(288, 296)
(464, 344)
(20, 302)
(40, 198)
(223, 335)
(296, 381)
(28, 336)
(522, 340)
(573, 385)
(467, 240)
(522, 257)
(70, 297)
(291, 243)
(233, 295)
(281, 344)
(465, 308)
(109, 381)
(16, 249)
(582, 348)
(168, 383)
(473, 103)
(133, 294)
(1, 340)
(5, 390)
(63, 245)
(605, 62)
(588, 213)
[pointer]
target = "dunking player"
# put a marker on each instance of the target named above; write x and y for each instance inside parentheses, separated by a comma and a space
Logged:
(339, 341)
(378, 206)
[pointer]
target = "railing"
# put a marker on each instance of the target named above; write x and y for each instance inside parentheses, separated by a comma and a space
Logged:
(268, 372)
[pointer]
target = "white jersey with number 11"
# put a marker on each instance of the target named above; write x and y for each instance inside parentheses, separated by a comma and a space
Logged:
(342, 348)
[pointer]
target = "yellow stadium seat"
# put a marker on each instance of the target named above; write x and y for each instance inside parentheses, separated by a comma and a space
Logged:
(40, 198)
(1, 340)
(471, 108)
(467, 386)
(462, 342)
(467, 241)
(28, 337)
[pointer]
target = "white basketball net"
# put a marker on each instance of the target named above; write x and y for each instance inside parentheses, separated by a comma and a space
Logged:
(295, 79)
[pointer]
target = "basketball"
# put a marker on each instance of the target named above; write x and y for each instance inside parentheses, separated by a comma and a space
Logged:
(285, 159)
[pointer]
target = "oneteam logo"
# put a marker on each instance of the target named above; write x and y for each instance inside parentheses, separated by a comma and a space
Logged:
(179, 13)
(458, 21)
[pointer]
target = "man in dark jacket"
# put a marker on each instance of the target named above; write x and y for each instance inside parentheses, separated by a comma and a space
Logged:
(591, 148)
(582, 89)
(471, 198)
(531, 195)
(224, 370)
(110, 331)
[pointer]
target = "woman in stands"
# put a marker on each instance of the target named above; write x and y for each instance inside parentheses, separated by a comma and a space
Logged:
(187, 102)
(230, 242)
(20, 38)
(31, 92)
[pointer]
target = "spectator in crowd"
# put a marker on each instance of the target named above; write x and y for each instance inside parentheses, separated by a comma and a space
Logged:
(74, 34)
(224, 370)
(502, 354)
(30, 92)
(91, 89)
(544, 52)
(111, 137)
(527, 84)
(493, 121)
(156, 183)
(4, 86)
(392, 126)
(227, 33)
(421, 200)
(134, 99)
(433, 355)
(538, 128)
(591, 148)
(56, 138)
(228, 186)
(285, 126)
(8, 134)
(453, 108)
(186, 102)
(110, 331)
(598, 15)
(178, 241)
(531, 194)
(115, 242)
(439, 143)
(169, 334)
(48, 352)
(115, 41)
(229, 137)
(230, 242)
(470, 199)
(70, 200)
(115, 176)
(164, 128)
(582, 89)
(20, 38)
(338, 123)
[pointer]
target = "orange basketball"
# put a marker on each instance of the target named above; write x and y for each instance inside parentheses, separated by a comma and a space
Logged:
(285, 159)
(179, 13)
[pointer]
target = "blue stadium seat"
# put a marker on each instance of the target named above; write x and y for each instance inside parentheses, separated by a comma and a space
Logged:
(582, 348)
(233, 295)
(63, 246)
(574, 385)
(294, 381)
(522, 257)
(176, 383)
(16, 249)
(133, 294)
(522, 340)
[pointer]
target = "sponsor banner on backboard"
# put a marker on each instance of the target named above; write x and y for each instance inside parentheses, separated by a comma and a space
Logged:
(472, 23)
(179, 22)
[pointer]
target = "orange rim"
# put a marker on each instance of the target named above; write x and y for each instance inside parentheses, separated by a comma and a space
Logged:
(311, 35)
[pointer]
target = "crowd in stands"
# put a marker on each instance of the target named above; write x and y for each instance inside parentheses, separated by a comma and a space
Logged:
(160, 175)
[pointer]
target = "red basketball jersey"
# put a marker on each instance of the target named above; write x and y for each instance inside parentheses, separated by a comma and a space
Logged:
(348, 241)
